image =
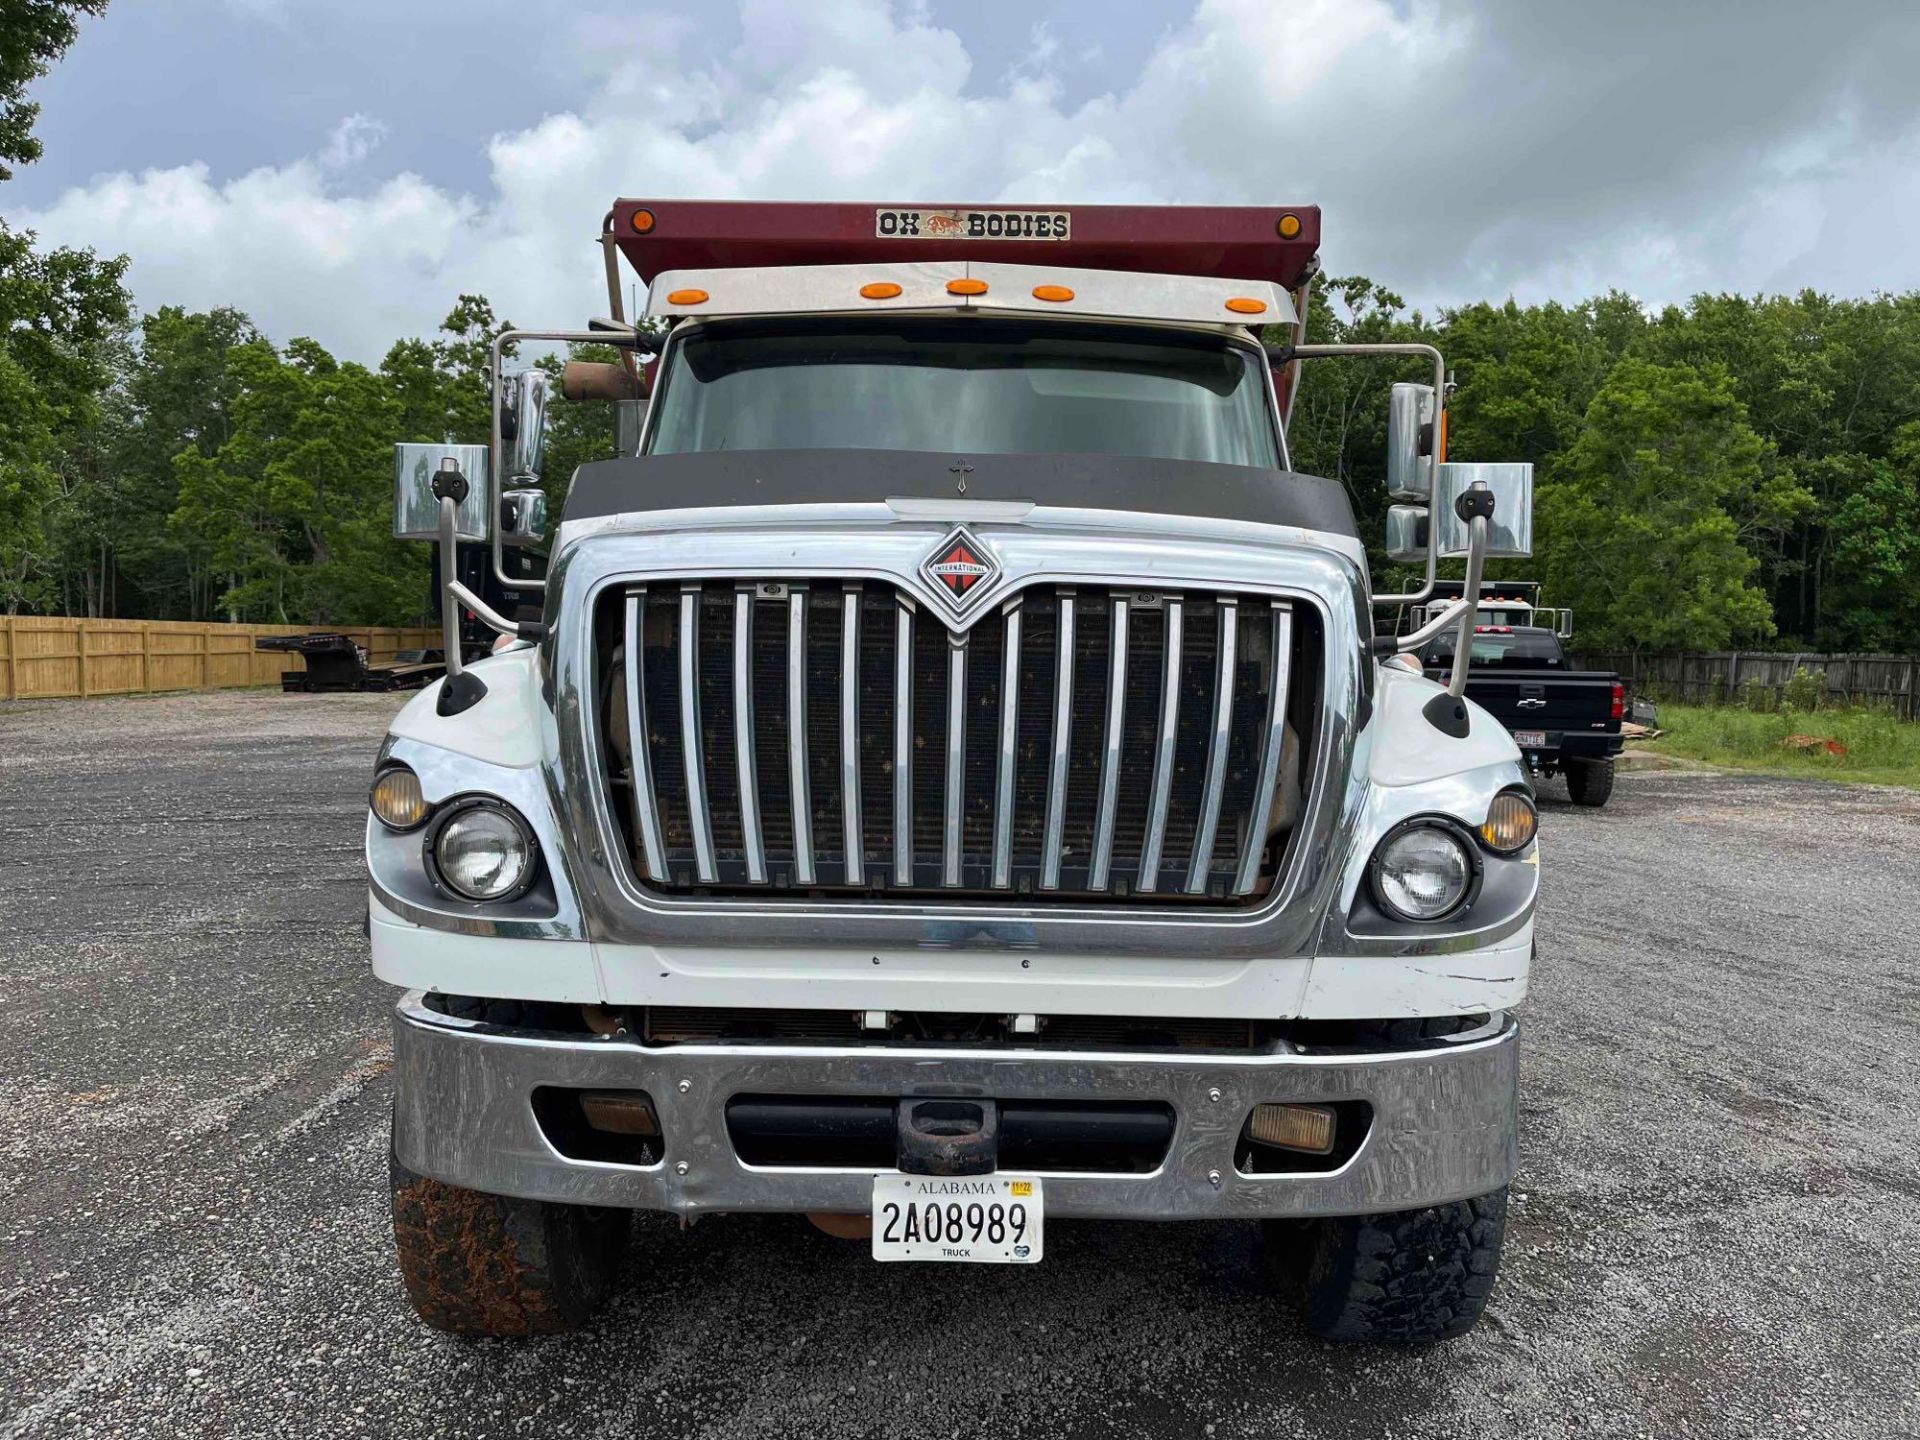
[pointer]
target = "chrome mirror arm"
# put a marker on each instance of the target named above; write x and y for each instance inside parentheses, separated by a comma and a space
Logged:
(1310, 352)
(1475, 506)
(462, 689)
(496, 442)
(518, 629)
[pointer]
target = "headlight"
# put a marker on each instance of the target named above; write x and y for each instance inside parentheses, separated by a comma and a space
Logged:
(1422, 873)
(396, 798)
(483, 851)
(1511, 821)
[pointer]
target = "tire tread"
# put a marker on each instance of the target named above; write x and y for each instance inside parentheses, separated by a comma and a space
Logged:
(1409, 1278)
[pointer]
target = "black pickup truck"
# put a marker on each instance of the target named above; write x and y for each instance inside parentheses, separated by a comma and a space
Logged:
(1565, 721)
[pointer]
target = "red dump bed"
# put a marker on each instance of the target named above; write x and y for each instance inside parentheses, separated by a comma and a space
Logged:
(1241, 242)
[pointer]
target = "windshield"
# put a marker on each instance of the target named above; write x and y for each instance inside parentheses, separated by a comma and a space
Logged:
(965, 386)
(1514, 650)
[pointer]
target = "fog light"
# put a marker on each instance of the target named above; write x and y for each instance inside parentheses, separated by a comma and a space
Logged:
(619, 1112)
(396, 798)
(1294, 1127)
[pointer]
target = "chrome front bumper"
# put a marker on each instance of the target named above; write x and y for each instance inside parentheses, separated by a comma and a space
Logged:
(1443, 1118)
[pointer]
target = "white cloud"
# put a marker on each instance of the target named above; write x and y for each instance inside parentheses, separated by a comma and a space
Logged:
(352, 140)
(1457, 155)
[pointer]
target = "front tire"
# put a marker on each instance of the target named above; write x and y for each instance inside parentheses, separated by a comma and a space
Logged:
(479, 1264)
(1590, 782)
(1409, 1278)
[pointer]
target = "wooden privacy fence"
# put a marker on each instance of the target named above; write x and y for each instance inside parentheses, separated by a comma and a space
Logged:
(1737, 676)
(44, 657)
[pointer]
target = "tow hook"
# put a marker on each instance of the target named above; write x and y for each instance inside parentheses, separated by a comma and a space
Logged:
(947, 1136)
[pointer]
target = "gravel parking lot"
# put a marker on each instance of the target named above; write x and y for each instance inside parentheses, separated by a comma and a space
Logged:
(1716, 1228)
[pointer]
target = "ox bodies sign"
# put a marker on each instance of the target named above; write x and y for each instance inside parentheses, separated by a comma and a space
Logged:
(973, 224)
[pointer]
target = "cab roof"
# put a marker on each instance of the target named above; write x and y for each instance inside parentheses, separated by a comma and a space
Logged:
(1275, 243)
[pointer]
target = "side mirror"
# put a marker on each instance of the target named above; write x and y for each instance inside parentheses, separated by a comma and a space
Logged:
(1410, 442)
(523, 518)
(523, 424)
(416, 510)
(1407, 532)
(1512, 529)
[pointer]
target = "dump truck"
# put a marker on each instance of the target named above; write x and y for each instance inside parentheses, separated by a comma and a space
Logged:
(953, 786)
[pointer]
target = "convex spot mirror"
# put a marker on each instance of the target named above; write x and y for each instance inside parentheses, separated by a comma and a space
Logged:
(523, 517)
(523, 424)
(416, 510)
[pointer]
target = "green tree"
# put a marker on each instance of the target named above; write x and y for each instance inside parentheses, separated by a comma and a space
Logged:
(440, 385)
(1635, 526)
(61, 315)
(1874, 589)
(293, 505)
(33, 34)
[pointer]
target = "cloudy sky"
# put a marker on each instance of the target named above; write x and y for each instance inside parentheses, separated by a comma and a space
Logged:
(344, 168)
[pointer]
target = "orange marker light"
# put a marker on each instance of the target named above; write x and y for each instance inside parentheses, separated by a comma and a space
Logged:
(1288, 226)
(1055, 293)
(1247, 305)
(966, 287)
(879, 290)
(687, 297)
(642, 221)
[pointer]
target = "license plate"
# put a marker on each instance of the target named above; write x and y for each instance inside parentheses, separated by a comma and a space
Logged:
(970, 1219)
(1530, 739)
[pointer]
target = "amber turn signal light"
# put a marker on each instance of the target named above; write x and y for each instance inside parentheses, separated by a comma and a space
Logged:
(1307, 1128)
(1055, 293)
(1287, 226)
(688, 297)
(1247, 305)
(619, 1112)
(1511, 822)
(966, 287)
(879, 290)
(642, 222)
(396, 799)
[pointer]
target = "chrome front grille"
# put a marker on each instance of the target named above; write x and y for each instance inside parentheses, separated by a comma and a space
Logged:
(1086, 743)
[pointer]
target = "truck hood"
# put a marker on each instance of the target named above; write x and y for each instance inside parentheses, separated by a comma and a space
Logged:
(634, 488)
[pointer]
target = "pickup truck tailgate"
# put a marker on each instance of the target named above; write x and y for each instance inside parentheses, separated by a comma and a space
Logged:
(1544, 699)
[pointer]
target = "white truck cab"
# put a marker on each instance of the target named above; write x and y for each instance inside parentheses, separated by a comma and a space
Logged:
(954, 786)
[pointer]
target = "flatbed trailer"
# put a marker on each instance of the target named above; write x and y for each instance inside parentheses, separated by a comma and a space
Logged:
(338, 662)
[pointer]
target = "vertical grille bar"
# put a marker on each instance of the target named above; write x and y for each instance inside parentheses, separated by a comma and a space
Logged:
(1216, 782)
(1163, 753)
(699, 819)
(755, 843)
(797, 736)
(856, 848)
(903, 743)
(646, 815)
(1270, 752)
(1009, 727)
(956, 758)
(1062, 728)
(1110, 751)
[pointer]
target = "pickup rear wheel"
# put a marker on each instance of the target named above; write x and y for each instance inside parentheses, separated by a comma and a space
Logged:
(1590, 782)
(1409, 1278)
(479, 1264)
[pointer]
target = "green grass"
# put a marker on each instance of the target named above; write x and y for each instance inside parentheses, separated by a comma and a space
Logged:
(1880, 750)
